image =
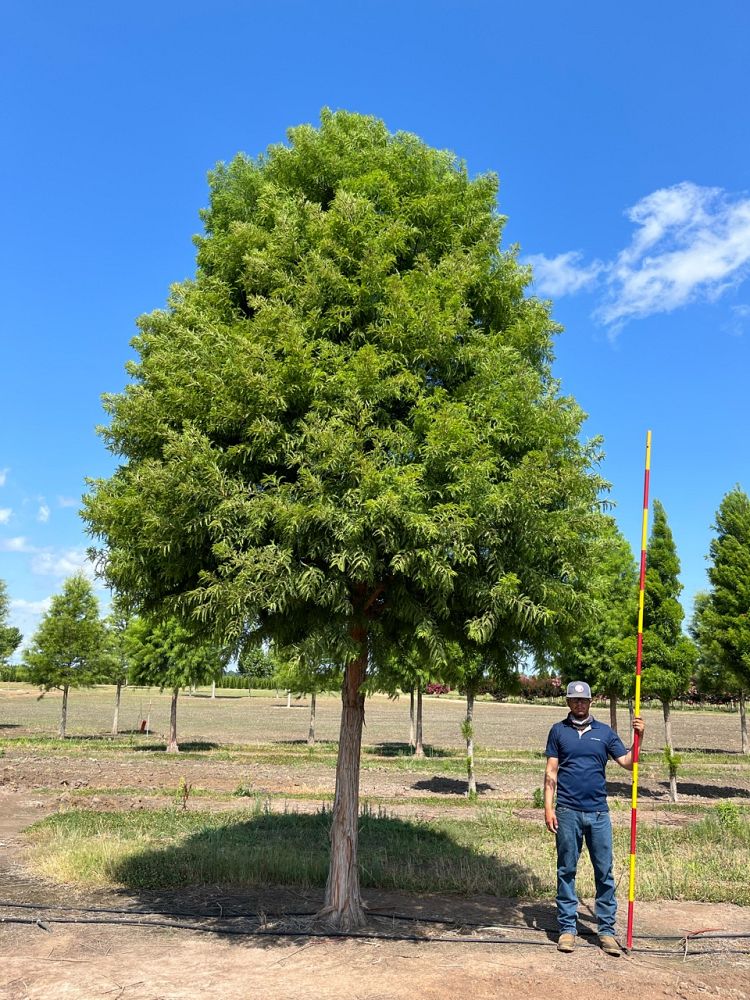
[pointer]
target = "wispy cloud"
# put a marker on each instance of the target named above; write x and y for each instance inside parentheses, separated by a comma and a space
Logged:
(5, 514)
(25, 616)
(67, 502)
(3, 476)
(47, 562)
(739, 321)
(43, 513)
(17, 544)
(689, 243)
(565, 274)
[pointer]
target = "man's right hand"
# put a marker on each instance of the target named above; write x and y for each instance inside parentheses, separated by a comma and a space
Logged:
(550, 820)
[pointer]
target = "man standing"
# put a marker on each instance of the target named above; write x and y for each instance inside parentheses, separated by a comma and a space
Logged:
(578, 749)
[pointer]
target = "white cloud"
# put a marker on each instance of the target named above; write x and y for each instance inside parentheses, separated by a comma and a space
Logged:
(67, 502)
(43, 513)
(3, 476)
(689, 243)
(17, 544)
(25, 616)
(564, 274)
(5, 514)
(739, 320)
(692, 242)
(50, 563)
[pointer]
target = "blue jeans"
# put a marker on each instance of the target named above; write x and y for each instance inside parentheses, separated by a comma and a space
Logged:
(595, 828)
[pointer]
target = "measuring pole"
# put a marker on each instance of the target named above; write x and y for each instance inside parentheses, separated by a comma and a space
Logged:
(638, 661)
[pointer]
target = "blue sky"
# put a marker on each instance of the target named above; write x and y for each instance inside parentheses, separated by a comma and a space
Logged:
(619, 133)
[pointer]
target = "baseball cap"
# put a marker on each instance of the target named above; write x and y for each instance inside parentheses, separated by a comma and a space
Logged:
(578, 689)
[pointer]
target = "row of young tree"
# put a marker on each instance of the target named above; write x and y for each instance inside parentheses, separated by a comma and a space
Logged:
(344, 437)
(75, 647)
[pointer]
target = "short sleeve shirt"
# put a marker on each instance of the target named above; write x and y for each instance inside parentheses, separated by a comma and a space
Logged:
(582, 758)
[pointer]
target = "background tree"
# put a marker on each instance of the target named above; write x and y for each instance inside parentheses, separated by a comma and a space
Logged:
(69, 647)
(669, 656)
(346, 428)
(722, 619)
(10, 637)
(167, 655)
(598, 650)
(115, 665)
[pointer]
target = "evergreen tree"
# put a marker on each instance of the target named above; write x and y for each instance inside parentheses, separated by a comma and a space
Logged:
(345, 431)
(669, 656)
(10, 637)
(723, 617)
(598, 650)
(69, 647)
(167, 655)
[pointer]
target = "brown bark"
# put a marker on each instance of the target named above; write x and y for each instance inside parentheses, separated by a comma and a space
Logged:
(743, 722)
(311, 730)
(172, 744)
(116, 719)
(666, 708)
(613, 710)
(418, 747)
(64, 712)
(343, 906)
(631, 713)
(472, 778)
(411, 719)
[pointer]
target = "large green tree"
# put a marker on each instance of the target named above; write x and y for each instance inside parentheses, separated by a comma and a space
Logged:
(598, 650)
(669, 656)
(722, 619)
(10, 637)
(344, 434)
(69, 648)
(166, 654)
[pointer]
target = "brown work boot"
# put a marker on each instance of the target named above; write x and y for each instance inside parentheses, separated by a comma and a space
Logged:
(566, 942)
(609, 945)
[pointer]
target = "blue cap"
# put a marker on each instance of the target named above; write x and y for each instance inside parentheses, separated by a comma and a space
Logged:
(578, 689)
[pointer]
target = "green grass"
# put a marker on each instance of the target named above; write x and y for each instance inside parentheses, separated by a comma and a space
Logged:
(706, 860)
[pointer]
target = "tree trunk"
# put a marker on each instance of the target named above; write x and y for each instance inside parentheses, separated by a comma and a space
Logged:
(343, 907)
(469, 731)
(213, 689)
(418, 747)
(613, 710)
(411, 719)
(666, 707)
(64, 712)
(289, 699)
(116, 719)
(172, 745)
(631, 713)
(311, 730)
(743, 722)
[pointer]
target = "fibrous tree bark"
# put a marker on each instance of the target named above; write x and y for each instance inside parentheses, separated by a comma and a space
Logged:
(343, 906)
(172, 746)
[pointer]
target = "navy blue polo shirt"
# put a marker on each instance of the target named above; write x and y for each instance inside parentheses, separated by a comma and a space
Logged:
(582, 757)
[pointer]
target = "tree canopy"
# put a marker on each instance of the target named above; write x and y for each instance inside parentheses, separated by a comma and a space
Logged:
(10, 637)
(669, 656)
(68, 647)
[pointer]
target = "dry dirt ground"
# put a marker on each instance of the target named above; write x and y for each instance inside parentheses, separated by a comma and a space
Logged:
(495, 947)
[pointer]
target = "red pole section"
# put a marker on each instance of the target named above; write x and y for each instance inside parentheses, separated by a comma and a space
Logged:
(638, 665)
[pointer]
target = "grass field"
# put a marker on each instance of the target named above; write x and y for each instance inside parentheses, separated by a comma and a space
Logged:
(256, 797)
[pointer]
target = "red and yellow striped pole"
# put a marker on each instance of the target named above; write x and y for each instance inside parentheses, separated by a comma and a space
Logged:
(638, 661)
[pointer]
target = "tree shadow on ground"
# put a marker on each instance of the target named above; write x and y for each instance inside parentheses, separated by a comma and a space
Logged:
(543, 916)
(721, 751)
(695, 788)
(395, 749)
(10, 725)
(222, 859)
(190, 746)
(449, 786)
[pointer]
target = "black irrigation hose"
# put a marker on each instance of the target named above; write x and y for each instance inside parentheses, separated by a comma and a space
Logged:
(381, 916)
(237, 932)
